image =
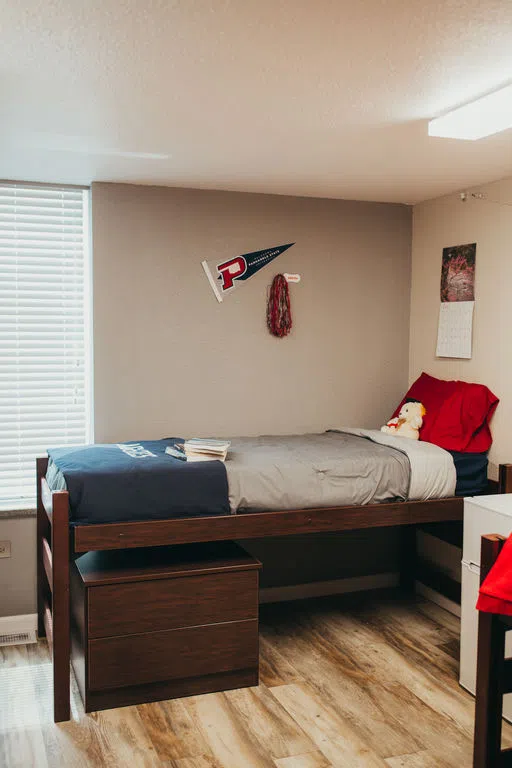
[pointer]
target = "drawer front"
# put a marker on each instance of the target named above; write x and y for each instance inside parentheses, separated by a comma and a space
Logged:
(149, 606)
(173, 654)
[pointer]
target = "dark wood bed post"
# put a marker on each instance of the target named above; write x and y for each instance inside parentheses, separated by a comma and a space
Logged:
(53, 610)
(61, 607)
(505, 478)
(43, 531)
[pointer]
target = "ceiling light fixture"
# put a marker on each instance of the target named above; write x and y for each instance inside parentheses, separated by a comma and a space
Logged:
(125, 153)
(99, 152)
(483, 117)
(81, 145)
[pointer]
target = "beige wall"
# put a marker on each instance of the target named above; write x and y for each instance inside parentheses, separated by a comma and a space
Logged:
(18, 573)
(169, 359)
(444, 222)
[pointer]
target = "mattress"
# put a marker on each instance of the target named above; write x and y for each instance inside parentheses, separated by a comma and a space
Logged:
(138, 481)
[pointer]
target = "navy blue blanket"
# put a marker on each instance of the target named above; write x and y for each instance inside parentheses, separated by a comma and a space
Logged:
(139, 481)
(471, 471)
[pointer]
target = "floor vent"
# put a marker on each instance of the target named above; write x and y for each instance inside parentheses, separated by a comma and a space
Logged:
(18, 630)
(21, 639)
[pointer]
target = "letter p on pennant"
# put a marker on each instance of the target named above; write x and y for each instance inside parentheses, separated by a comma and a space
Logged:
(230, 270)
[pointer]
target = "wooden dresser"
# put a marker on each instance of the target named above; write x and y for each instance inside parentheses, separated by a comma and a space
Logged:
(163, 622)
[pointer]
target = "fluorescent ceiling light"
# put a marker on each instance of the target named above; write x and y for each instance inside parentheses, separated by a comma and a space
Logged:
(121, 153)
(82, 145)
(483, 117)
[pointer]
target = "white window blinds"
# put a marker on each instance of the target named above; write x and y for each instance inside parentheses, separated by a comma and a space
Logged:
(43, 331)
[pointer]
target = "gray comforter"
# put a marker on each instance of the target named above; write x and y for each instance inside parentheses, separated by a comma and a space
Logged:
(315, 470)
(331, 469)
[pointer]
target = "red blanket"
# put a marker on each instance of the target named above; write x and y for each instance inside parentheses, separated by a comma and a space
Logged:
(495, 594)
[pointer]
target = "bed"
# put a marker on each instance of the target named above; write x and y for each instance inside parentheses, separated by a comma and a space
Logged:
(339, 480)
(398, 496)
(139, 480)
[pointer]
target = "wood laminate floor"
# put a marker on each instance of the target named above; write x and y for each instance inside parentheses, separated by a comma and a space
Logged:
(361, 682)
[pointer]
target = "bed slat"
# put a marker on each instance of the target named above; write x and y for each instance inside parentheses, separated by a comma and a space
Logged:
(47, 562)
(46, 498)
(48, 625)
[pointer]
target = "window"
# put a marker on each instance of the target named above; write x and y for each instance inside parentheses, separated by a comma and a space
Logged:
(44, 339)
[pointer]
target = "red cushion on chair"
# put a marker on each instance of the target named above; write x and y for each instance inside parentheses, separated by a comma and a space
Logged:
(458, 413)
(495, 595)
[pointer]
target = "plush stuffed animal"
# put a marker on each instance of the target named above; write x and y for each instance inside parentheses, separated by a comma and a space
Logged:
(408, 422)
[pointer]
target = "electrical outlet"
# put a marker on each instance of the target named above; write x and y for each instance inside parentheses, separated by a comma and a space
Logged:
(5, 548)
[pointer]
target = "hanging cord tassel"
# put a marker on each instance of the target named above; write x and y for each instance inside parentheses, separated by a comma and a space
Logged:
(279, 316)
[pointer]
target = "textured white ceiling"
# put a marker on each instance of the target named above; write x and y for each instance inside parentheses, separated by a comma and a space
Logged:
(307, 97)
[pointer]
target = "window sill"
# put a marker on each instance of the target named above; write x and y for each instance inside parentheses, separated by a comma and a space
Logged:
(6, 514)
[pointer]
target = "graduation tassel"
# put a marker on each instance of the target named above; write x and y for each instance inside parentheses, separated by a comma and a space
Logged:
(279, 317)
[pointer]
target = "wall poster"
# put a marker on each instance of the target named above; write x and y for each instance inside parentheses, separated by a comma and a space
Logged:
(455, 331)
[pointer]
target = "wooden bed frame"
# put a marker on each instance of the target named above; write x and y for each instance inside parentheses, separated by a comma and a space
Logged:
(58, 543)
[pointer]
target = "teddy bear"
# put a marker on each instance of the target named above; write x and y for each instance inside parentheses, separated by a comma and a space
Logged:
(408, 422)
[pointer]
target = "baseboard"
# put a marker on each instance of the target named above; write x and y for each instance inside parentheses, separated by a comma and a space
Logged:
(438, 599)
(323, 588)
(18, 630)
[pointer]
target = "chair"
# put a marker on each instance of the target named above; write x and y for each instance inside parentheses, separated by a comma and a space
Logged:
(494, 673)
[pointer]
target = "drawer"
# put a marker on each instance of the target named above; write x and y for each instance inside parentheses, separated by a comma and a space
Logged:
(172, 654)
(149, 606)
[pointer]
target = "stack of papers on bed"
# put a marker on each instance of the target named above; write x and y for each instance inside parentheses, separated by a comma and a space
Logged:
(200, 449)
